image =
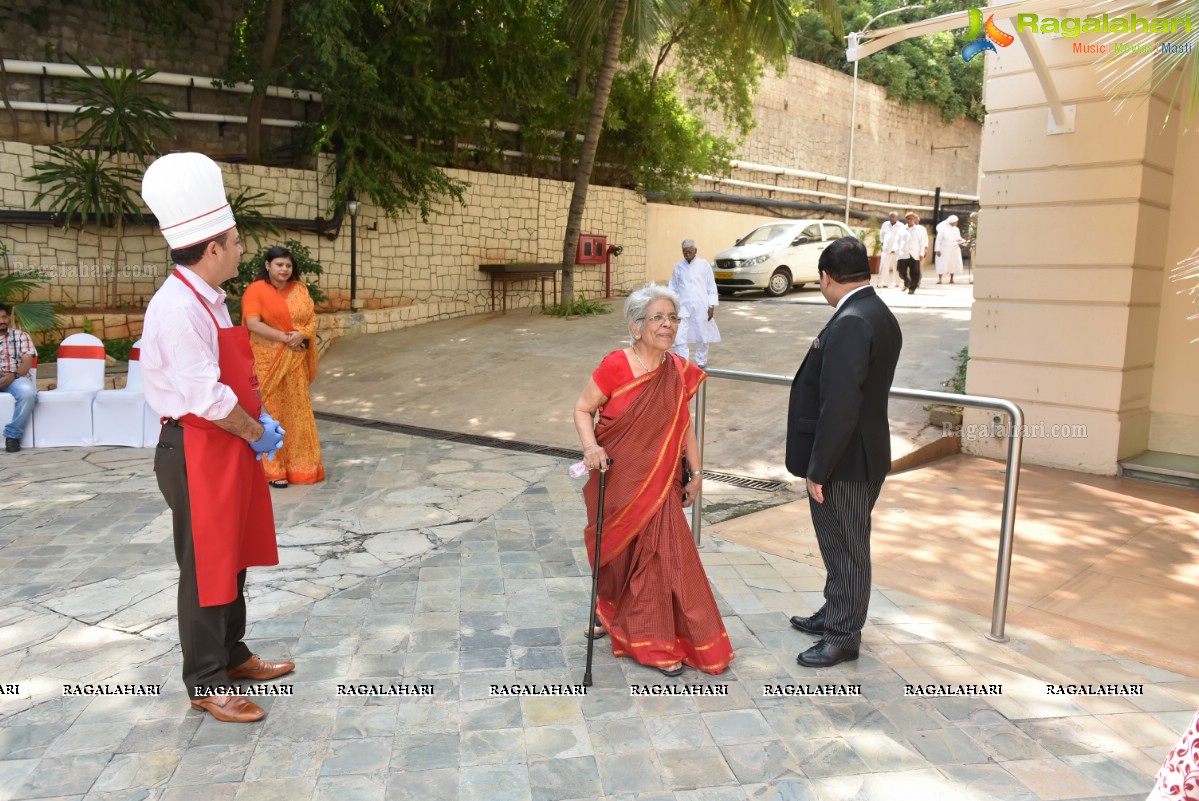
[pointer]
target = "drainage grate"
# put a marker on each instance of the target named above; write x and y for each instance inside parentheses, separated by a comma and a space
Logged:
(522, 447)
(745, 481)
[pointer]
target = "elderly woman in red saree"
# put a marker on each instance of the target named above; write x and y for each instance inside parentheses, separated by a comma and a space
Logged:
(654, 597)
(282, 322)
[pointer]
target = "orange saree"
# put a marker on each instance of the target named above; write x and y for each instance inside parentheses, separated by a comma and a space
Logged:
(284, 375)
(654, 597)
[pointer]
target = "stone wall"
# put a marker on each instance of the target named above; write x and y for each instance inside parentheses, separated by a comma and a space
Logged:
(401, 262)
(84, 31)
(803, 123)
(802, 115)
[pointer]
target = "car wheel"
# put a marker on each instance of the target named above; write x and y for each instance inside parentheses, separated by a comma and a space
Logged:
(725, 292)
(779, 283)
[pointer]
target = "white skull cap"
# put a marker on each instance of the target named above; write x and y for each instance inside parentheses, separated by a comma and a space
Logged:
(186, 192)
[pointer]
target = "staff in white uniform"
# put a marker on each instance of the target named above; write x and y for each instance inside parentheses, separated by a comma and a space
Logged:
(891, 237)
(693, 280)
(948, 247)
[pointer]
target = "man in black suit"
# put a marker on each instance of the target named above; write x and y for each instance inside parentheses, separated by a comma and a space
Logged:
(839, 439)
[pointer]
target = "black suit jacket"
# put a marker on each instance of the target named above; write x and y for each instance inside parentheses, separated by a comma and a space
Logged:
(837, 427)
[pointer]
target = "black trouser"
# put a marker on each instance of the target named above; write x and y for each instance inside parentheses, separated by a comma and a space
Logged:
(210, 636)
(842, 526)
(909, 271)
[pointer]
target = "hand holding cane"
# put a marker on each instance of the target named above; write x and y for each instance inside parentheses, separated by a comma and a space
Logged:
(599, 526)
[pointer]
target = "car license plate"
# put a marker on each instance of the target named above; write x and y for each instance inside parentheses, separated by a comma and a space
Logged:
(723, 275)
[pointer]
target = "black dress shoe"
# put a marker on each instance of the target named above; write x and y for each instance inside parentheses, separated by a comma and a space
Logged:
(810, 625)
(824, 654)
(12, 445)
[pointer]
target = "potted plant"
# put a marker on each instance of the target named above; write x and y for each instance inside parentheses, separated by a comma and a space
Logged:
(872, 239)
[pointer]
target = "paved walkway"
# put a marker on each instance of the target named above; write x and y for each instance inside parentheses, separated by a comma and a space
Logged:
(428, 563)
(517, 376)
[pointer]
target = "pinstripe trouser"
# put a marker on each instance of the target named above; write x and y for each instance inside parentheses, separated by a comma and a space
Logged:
(842, 526)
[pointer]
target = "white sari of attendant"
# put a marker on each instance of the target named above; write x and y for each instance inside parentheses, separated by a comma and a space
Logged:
(948, 247)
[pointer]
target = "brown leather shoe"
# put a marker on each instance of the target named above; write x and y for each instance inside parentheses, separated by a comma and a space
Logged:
(257, 670)
(230, 708)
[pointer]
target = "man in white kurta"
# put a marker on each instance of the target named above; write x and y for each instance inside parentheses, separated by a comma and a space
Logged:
(890, 237)
(693, 280)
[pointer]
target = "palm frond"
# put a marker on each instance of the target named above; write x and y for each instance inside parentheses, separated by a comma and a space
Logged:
(115, 113)
(1145, 70)
(28, 315)
(1188, 270)
(248, 208)
(32, 316)
(82, 185)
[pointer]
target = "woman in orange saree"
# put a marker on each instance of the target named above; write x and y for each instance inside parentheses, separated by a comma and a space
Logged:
(282, 322)
(654, 597)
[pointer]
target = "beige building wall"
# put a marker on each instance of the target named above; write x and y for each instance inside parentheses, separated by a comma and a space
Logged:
(713, 231)
(1077, 231)
(1174, 404)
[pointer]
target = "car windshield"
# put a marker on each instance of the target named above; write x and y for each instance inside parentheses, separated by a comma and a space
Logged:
(771, 233)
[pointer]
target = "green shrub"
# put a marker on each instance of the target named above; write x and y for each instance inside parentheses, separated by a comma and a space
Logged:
(47, 351)
(119, 348)
(958, 382)
(579, 307)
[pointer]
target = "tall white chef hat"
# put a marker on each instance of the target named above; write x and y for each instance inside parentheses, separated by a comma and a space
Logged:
(186, 192)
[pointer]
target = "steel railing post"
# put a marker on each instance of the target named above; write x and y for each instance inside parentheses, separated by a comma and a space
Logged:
(697, 516)
(1007, 530)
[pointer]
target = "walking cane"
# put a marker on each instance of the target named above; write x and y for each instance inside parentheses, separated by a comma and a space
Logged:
(599, 527)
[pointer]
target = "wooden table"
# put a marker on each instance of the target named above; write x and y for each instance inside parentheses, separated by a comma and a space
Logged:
(506, 274)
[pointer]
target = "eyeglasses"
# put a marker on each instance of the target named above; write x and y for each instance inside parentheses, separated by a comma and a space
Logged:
(660, 320)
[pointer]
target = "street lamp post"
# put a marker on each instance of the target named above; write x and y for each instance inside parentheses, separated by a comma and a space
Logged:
(352, 206)
(851, 52)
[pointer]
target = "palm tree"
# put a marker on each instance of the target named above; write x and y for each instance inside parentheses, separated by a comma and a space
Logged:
(89, 180)
(768, 24)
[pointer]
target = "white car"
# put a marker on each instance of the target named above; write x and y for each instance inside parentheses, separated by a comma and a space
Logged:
(776, 257)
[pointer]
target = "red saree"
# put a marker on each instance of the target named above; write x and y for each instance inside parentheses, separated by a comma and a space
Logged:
(654, 597)
(284, 375)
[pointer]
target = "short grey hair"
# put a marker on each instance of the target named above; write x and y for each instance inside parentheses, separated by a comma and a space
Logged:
(640, 299)
(688, 243)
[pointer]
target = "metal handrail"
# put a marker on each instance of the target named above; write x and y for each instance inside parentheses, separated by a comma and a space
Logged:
(1003, 568)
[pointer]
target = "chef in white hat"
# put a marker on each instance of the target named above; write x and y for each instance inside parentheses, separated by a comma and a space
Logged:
(198, 374)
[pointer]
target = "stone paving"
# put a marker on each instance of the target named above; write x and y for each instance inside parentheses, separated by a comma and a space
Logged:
(426, 563)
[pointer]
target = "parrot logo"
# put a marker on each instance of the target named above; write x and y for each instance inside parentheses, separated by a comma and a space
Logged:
(984, 37)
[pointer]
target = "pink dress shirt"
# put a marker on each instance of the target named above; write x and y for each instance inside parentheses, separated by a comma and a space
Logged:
(179, 352)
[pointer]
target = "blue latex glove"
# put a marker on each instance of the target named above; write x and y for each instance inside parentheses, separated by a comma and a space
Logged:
(271, 439)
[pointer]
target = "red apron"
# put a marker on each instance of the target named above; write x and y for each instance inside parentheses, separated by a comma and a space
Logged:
(233, 524)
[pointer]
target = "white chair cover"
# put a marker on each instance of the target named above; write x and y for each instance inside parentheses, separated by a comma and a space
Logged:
(8, 407)
(63, 416)
(118, 415)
